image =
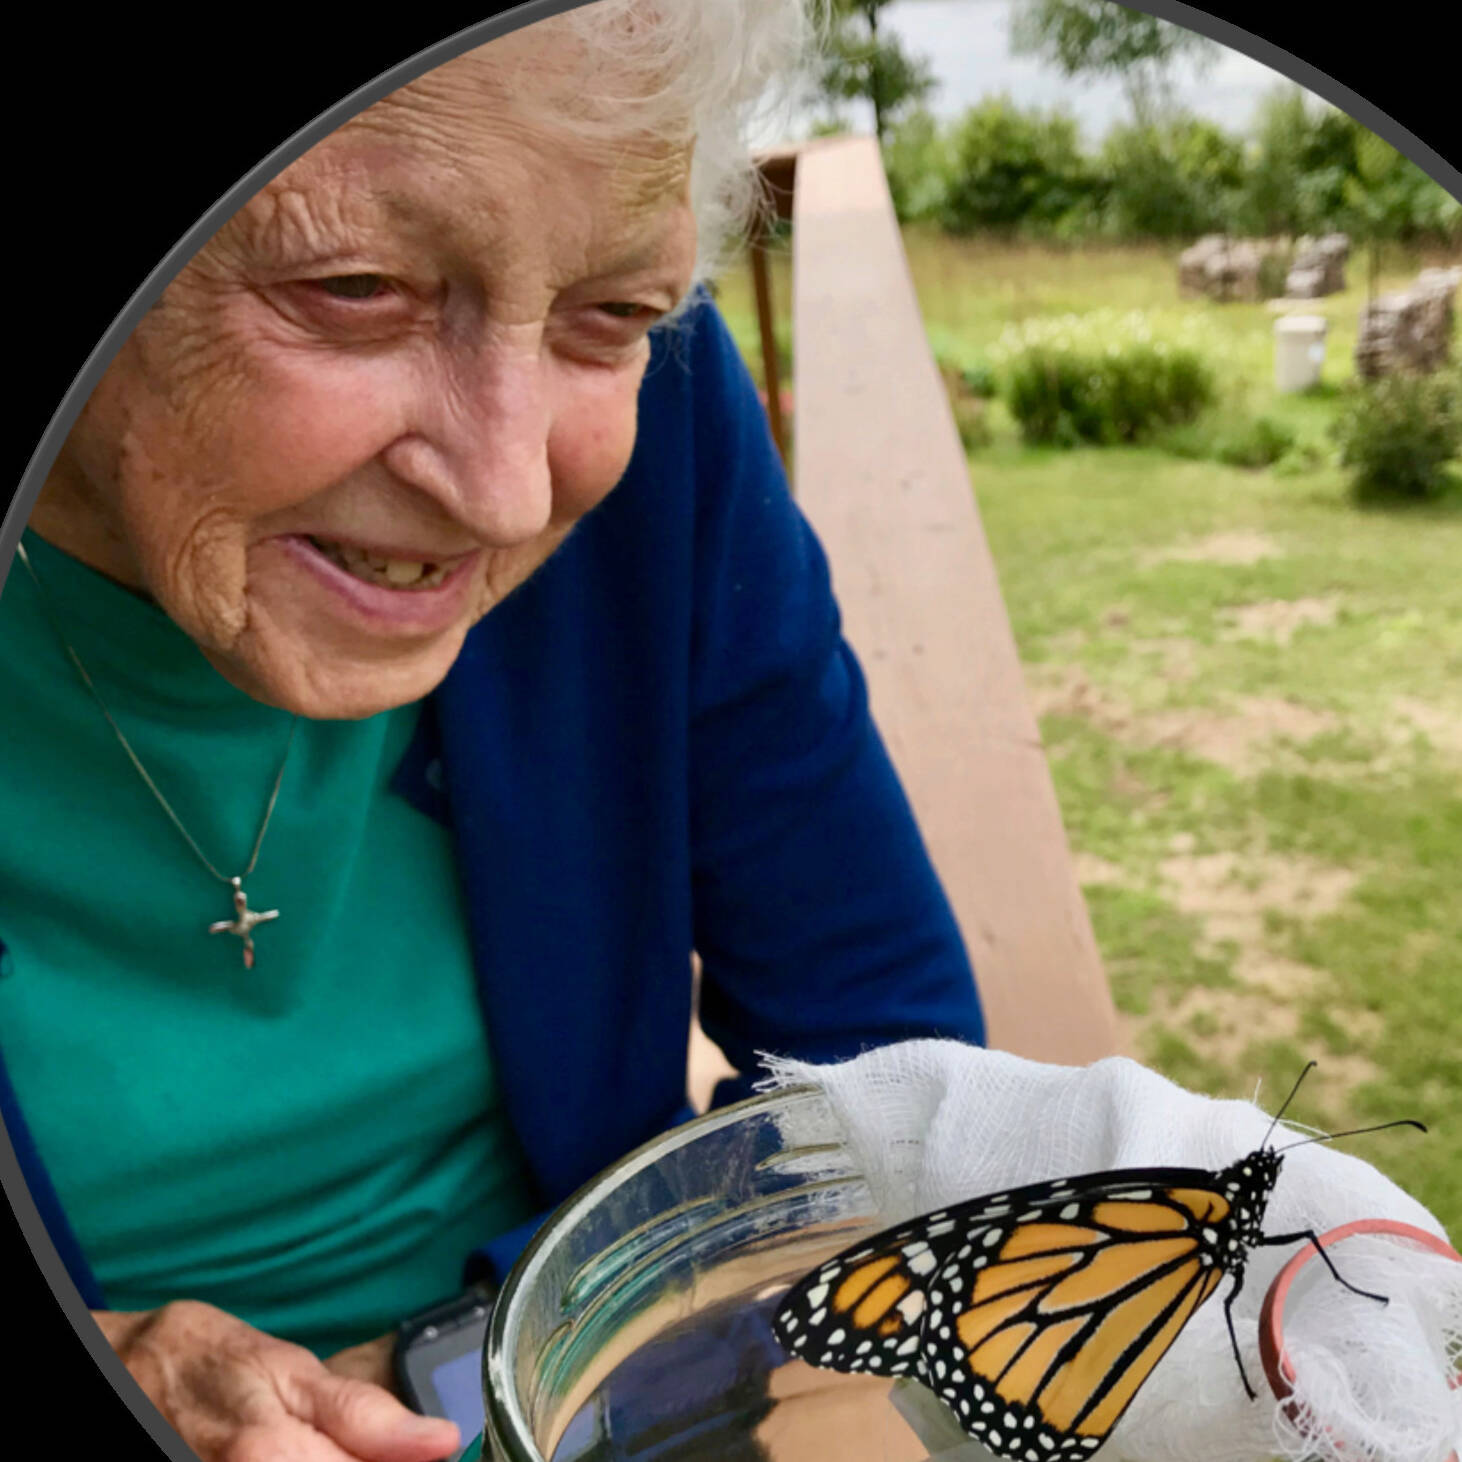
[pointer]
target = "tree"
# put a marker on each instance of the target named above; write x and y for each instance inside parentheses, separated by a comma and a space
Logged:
(866, 64)
(1087, 38)
(1381, 197)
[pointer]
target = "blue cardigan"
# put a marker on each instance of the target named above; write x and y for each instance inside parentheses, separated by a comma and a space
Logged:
(660, 743)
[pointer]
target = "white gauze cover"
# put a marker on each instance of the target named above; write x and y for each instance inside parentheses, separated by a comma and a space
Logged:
(932, 1123)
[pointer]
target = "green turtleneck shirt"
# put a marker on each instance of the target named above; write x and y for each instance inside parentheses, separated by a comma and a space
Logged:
(313, 1144)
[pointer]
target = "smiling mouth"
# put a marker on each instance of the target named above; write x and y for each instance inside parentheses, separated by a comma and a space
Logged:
(408, 574)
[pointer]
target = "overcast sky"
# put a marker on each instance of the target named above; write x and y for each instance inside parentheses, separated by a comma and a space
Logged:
(968, 44)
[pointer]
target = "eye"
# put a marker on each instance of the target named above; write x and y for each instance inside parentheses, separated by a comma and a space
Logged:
(622, 309)
(353, 286)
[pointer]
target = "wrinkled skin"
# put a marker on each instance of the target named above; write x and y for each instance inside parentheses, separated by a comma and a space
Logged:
(235, 1394)
(427, 336)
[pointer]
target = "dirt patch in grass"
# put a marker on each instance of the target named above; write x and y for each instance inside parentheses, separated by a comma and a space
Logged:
(1441, 727)
(1177, 657)
(1237, 546)
(1095, 872)
(1240, 739)
(1278, 619)
(1230, 896)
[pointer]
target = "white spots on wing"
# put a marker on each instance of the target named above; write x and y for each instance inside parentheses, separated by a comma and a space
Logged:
(1070, 1211)
(911, 1307)
(992, 1238)
(816, 1297)
(938, 1230)
(923, 1262)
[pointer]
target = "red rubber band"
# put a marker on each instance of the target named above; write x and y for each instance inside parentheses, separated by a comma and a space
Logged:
(1277, 1365)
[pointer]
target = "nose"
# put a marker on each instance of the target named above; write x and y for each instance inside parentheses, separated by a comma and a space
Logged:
(478, 441)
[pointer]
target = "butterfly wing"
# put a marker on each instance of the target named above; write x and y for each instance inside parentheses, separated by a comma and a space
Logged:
(1042, 1326)
(864, 1309)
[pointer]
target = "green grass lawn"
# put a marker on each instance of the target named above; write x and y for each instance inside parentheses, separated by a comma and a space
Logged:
(1251, 695)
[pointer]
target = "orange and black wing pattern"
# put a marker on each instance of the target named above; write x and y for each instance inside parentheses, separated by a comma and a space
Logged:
(1035, 1315)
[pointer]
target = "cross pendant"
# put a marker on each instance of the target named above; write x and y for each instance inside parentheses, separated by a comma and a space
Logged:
(243, 921)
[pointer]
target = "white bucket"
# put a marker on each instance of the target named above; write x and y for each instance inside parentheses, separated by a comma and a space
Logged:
(1299, 351)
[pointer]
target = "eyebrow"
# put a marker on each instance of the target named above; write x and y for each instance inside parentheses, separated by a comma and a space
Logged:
(358, 198)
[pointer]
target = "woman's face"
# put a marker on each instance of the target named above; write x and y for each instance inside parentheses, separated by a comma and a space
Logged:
(385, 391)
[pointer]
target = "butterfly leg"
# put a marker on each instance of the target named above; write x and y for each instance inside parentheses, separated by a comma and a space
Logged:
(1228, 1314)
(1310, 1235)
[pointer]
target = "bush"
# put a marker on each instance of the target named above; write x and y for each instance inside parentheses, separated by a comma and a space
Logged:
(1100, 379)
(916, 161)
(966, 404)
(1302, 153)
(1169, 182)
(1304, 458)
(1398, 434)
(1010, 168)
(979, 380)
(1236, 442)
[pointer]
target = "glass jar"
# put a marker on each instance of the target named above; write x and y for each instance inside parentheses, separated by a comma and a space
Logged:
(638, 1323)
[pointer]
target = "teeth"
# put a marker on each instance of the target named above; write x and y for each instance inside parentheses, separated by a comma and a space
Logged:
(402, 572)
(392, 573)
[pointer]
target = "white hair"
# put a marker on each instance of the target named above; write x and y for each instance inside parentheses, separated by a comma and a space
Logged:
(702, 70)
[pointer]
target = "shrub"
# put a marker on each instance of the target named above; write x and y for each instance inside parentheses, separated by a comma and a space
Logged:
(916, 160)
(1398, 434)
(1171, 181)
(1302, 153)
(1101, 379)
(1301, 459)
(1258, 443)
(966, 405)
(1234, 441)
(1011, 168)
(979, 380)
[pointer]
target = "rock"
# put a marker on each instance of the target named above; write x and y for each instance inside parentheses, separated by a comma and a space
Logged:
(1224, 269)
(1193, 264)
(1408, 330)
(1318, 267)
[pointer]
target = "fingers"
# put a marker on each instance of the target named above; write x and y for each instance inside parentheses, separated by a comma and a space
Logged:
(366, 1421)
(235, 1394)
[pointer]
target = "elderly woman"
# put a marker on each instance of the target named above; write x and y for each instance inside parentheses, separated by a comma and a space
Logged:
(415, 656)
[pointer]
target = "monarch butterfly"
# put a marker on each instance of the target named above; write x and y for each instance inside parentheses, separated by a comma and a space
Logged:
(1036, 1314)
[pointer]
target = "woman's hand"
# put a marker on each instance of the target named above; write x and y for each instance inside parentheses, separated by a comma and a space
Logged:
(235, 1394)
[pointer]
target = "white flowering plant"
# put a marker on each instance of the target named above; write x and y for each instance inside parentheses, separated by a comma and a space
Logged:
(1107, 376)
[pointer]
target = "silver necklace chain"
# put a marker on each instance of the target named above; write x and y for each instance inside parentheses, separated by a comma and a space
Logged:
(245, 918)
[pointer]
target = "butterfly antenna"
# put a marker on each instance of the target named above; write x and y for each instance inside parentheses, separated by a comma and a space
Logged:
(1309, 1067)
(1354, 1132)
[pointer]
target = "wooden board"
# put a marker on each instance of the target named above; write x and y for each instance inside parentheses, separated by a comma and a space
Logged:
(884, 480)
